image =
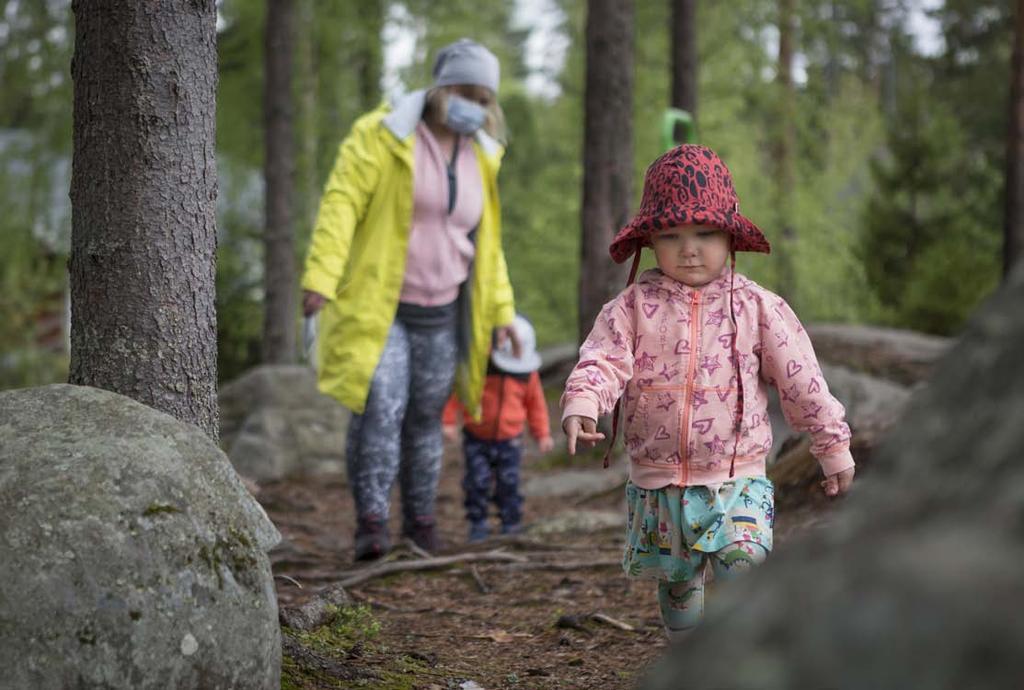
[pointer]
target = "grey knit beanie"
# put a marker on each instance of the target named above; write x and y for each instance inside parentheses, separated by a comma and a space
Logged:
(466, 62)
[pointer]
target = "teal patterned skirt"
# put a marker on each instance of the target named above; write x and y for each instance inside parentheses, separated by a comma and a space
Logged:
(670, 531)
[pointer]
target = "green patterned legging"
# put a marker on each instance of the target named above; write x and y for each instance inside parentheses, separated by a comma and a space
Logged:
(682, 603)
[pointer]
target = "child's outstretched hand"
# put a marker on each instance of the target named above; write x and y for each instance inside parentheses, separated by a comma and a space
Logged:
(450, 431)
(582, 429)
(545, 444)
(838, 483)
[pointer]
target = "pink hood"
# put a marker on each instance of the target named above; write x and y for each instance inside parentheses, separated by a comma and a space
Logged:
(667, 349)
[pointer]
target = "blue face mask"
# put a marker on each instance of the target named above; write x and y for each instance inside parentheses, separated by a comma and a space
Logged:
(464, 116)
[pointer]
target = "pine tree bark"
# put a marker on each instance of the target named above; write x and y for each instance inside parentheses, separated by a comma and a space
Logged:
(307, 73)
(143, 201)
(280, 304)
(1013, 231)
(371, 58)
(786, 152)
(684, 56)
(607, 152)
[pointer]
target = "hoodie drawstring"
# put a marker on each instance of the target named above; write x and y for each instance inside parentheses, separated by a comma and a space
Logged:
(738, 425)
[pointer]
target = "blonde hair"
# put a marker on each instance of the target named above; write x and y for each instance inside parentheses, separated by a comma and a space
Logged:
(436, 110)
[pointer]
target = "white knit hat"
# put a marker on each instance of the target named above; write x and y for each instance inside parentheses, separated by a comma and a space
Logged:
(528, 359)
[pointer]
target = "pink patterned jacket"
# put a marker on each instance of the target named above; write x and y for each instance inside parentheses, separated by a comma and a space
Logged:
(667, 349)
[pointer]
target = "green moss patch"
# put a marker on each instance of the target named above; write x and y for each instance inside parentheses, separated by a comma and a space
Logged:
(344, 654)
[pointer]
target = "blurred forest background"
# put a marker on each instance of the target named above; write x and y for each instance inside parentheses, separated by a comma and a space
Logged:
(895, 203)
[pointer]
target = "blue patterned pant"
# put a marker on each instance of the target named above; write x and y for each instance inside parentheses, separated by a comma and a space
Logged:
(492, 464)
(399, 432)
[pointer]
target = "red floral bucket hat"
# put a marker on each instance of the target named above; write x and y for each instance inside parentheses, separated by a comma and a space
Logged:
(688, 185)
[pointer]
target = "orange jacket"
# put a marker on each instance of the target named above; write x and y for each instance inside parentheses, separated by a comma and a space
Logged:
(508, 403)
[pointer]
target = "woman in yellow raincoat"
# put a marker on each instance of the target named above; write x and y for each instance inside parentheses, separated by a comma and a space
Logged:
(406, 269)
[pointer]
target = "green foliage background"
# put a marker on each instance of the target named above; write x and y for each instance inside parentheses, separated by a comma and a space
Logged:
(897, 207)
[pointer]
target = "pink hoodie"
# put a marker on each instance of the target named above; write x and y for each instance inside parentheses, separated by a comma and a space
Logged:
(667, 349)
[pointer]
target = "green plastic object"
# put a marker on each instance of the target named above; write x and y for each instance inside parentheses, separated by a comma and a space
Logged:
(672, 118)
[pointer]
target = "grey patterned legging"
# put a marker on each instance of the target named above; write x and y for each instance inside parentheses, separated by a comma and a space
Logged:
(399, 433)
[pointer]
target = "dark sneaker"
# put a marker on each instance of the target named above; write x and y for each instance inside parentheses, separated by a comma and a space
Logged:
(423, 532)
(478, 531)
(371, 540)
(512, 528)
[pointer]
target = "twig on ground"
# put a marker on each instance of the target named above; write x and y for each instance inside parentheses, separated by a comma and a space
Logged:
(355, 577)
(373, 603)
(412, 546)
(291, 579)
(560, 567)
(608, 620)
(480, 584)
(522, 542)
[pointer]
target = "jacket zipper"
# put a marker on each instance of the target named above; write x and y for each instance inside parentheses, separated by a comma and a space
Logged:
(691, 369)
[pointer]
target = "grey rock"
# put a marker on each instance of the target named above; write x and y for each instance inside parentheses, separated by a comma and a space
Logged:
(872, 405)
(916, 581)
(276, 424)
(575, 482)
(131, 556)
(902, 356)
(579, 521)
(871, 402)
(317, 611)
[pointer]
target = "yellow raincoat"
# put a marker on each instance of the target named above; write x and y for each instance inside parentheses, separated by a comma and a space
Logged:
(358, 250)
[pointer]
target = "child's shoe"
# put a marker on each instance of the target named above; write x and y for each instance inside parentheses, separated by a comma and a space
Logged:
(423, 532)
(512, 528)
(478, 531)
(371, 541)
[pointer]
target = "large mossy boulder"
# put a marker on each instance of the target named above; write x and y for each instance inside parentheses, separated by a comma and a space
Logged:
(131, 556)
(917, 581)
(276, 424)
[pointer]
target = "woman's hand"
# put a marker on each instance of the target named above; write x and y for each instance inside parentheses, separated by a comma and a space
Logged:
(838, 483)
(503, 332)
(582, 429)
(312, 302)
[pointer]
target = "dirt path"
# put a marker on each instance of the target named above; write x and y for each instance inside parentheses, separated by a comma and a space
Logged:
(506, 628)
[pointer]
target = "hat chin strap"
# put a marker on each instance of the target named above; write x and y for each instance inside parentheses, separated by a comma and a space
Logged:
(633, 269)
(618, 403)
(738, 422)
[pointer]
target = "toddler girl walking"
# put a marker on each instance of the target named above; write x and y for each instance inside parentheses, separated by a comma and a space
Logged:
(688, 351)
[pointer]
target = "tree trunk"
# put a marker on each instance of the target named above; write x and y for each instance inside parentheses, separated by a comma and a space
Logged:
(279, 308)
(786, 152)
(684, 56)
(607, 152)
(143, 201)
(370, 53)
(307, 73)
(1013, 233)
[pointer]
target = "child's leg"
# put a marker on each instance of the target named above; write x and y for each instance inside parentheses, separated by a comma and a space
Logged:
(508, 455)
(682, 605)
(476, 483)
(737, 558)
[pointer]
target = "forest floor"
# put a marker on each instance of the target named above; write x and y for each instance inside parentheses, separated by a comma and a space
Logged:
(475, 624)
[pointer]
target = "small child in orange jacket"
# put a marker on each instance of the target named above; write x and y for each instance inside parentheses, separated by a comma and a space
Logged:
(493, 446)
